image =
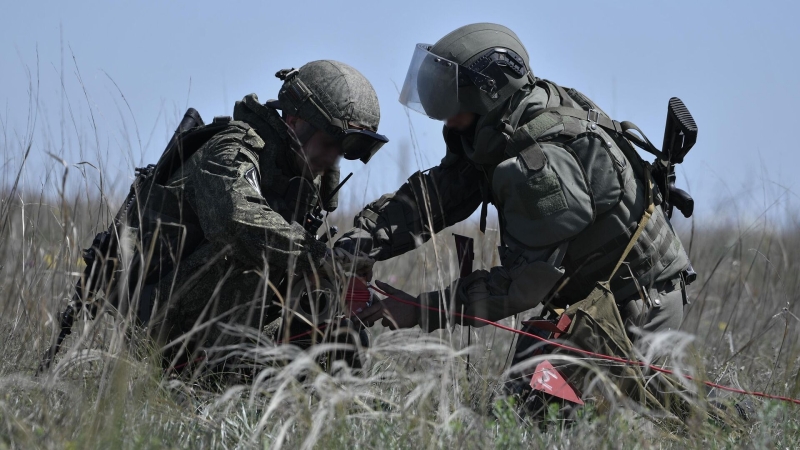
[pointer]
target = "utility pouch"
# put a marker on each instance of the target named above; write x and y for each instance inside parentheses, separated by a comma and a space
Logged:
(596, 326)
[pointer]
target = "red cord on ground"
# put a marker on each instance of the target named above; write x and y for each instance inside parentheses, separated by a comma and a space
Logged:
(592, 354)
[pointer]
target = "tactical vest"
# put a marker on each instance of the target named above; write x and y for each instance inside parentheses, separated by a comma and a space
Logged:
(157, 211)
(291, 197)
(614, 172)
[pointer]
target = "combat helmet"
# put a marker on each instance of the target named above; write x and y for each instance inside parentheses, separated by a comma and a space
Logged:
(475, 68)
(335, 98)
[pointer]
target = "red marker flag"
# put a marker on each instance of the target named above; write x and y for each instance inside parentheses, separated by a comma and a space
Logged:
(547, 379)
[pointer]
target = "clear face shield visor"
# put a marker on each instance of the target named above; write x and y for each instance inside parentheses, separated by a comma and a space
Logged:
(431, 85)
(440, 88)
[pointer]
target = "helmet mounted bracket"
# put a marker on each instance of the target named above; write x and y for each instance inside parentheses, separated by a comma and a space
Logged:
(486, 72)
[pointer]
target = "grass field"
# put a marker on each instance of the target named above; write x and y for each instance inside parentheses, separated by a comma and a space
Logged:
(417, 390)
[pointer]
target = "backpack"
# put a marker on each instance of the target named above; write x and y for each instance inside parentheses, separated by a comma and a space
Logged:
(102, 257)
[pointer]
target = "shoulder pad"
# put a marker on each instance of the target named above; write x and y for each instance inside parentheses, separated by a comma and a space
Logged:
(543, 195)
(237, 129)
(253, 140)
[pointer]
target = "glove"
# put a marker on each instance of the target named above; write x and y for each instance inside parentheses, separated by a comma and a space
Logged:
(355, 240)
(359, 263)
(347, 264)
(394, 314)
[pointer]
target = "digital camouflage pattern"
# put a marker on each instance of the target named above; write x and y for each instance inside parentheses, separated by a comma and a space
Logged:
(227, 224)
(335, 98)
(341, 91)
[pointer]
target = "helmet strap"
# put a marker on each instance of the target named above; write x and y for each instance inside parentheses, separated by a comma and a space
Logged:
(505, 124)
(305, 105)
(304, 131)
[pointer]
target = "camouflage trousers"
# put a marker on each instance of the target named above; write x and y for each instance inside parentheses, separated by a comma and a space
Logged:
(225, 312)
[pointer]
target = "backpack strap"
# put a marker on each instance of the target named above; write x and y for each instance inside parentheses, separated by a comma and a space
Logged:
(187, 145)
(553, 97)
(566, 100)
(595, 118)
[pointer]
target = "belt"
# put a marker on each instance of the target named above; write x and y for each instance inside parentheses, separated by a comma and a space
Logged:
(663, 287)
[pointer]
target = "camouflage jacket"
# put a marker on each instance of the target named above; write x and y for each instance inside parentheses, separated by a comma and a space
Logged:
(238, 198)
(239, 186)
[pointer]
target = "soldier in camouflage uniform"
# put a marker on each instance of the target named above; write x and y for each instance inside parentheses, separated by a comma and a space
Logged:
(568, 186)
(225, 228)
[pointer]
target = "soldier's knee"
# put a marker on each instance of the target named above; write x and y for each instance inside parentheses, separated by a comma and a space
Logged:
(662, 312)
(667, 312)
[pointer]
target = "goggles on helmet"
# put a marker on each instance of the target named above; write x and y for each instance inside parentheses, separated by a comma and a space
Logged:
(356, 143)
(360, 144)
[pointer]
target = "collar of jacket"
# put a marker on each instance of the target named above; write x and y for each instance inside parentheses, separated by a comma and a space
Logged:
(268, 123)
(488, 146)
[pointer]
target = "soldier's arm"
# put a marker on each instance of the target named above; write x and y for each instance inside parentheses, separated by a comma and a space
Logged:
(233, 212)
(494, 294)
(427, 203)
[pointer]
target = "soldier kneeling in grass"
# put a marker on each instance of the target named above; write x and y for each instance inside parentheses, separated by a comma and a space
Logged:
(211, 239)
(583, 225)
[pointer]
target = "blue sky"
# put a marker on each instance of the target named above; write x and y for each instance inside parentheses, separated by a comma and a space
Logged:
(733, 63)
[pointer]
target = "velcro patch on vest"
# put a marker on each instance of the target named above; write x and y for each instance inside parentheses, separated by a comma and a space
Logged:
(533, 157)
(548, 196)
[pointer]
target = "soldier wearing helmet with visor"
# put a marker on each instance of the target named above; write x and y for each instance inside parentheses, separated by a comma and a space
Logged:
(569, 194)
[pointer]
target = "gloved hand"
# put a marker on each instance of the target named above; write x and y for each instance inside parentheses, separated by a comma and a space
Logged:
(346, 263)
(393, 313)
(355, 240)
